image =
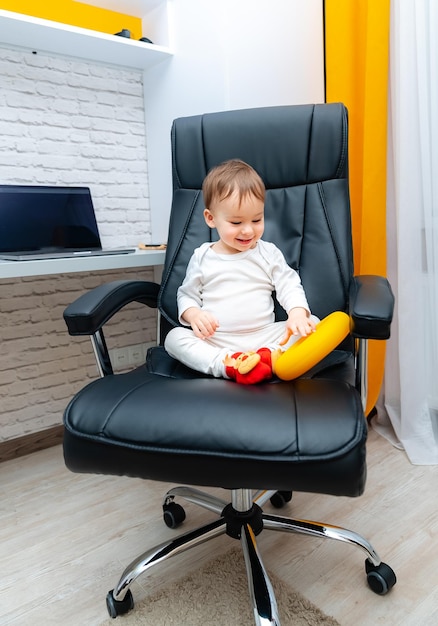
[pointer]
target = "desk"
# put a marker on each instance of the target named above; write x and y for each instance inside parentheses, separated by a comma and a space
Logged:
(139, 258)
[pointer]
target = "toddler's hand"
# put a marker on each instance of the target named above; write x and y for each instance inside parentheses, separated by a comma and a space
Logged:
(203, 323)
(298, 323)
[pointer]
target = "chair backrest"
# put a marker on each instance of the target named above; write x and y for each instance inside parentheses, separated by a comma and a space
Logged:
(301, 153)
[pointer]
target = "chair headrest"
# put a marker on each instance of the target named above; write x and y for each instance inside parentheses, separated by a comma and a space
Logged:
(286, 145)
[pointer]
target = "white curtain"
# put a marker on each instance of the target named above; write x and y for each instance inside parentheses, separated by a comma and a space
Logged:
(408, 407)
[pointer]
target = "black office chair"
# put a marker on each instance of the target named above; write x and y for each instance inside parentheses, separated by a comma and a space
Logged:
(165, 422)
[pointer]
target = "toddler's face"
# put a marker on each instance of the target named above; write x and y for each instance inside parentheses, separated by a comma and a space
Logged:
(239, 226)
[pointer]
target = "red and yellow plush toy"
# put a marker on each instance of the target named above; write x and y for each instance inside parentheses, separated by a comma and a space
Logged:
(249, 368)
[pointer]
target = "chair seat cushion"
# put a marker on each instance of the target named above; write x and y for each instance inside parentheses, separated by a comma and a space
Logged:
(214, 432)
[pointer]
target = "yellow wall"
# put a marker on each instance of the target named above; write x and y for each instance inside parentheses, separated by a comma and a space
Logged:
(76, 14)
(357, 48)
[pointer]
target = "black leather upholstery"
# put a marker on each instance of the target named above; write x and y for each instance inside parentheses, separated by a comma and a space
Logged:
(205, 432)
(301, 154)
(165, 422)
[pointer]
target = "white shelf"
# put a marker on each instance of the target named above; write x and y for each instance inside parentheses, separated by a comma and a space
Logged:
(36, 34)
(140, 258)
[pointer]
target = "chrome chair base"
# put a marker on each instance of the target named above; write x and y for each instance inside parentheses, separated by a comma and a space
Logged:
(243, 519)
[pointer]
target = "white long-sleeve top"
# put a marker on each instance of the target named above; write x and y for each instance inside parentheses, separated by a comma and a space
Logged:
(237, 288)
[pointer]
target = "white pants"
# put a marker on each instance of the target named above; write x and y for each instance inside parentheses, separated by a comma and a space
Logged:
(207, 355)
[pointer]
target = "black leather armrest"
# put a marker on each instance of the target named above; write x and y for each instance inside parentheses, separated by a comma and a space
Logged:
(91, 311)
(371, 307)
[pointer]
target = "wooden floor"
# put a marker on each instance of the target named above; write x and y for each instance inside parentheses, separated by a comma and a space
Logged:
(66, 538)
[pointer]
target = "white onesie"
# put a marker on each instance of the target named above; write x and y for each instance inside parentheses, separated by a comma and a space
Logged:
(237, 289)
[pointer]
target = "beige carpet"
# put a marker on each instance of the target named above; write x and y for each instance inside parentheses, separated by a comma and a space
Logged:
(205, 598)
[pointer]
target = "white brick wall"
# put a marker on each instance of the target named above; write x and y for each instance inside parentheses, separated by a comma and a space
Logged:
(67, 122)
(75, 123)
(41, 366)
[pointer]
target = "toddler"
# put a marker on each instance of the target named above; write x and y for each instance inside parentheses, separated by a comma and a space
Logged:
(225, 302)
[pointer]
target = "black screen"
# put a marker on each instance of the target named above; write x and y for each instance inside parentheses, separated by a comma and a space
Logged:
(44, 219)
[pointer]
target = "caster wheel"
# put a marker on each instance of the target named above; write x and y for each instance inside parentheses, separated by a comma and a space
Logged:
(173, 514)
(281, 498)
(381, 578)
(119, 607)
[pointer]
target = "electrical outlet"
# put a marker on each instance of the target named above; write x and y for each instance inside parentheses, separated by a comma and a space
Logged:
(136, 354)
(130, 356)
(119, 358)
